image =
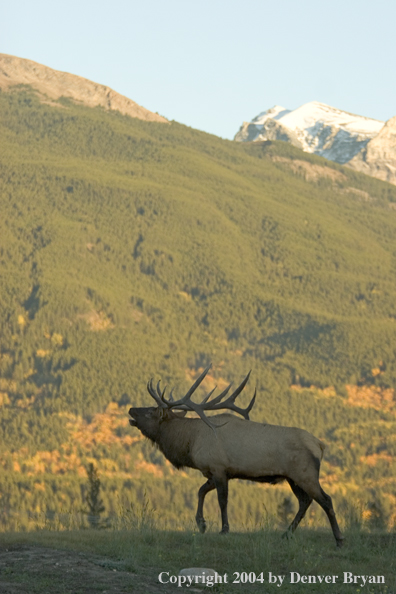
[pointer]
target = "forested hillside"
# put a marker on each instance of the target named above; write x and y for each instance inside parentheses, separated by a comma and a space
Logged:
(131, 250)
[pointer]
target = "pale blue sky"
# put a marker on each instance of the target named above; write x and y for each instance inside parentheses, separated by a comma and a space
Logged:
(213, 64)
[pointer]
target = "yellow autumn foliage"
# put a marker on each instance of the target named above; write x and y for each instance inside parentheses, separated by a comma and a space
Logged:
(7, 385)
(150, 468)
(42, 353)
(57, 339)
(39, 486)
(374, 458)
(372, 397)
(101, 430)
(4, 398)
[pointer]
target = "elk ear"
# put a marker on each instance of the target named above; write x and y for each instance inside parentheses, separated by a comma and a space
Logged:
(180, 414)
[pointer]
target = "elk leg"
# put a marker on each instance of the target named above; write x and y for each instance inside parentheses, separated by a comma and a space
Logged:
(204, 490)
(304, 501)
(324, 500)
(326, 503)
(221, 483)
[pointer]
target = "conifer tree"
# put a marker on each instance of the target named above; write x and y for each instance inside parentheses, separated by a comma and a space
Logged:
(92, 499)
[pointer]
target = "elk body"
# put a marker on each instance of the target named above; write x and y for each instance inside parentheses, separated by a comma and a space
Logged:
(225, 447)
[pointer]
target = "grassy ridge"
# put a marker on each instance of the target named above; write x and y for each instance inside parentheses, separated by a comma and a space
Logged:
(146, 553)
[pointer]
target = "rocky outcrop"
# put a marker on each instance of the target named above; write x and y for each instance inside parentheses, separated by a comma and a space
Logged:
(378, 158)
(52, 84)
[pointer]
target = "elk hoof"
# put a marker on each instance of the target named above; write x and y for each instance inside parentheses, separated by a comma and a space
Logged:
(201, 525)
(340, 542)
(288, 535)
(225, 529)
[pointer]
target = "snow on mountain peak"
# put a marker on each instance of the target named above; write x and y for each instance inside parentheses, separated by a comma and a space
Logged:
(275, 113)
(314, 127)
(311, 113)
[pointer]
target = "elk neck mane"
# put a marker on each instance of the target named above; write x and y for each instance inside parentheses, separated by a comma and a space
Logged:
(175, 438)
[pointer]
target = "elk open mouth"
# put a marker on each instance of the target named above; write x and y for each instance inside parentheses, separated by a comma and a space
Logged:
(132, 420)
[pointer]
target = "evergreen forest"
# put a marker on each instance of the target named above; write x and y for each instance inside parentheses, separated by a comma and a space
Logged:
(132, 250)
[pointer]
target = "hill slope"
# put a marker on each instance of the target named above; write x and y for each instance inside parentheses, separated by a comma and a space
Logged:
(51, 84)
(132, 250)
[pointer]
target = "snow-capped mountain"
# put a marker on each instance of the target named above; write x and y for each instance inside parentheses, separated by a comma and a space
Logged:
(315, 128)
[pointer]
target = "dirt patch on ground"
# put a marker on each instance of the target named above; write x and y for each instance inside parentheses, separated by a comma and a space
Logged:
(97, 320)
(361, 194)
(38, 570)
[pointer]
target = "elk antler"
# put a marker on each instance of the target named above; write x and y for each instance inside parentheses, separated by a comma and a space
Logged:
(158, 396)
(217, 403)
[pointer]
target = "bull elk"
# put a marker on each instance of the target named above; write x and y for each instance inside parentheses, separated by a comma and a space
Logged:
(225, 447)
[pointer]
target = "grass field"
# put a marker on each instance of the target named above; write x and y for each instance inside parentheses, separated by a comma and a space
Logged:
(89, 561)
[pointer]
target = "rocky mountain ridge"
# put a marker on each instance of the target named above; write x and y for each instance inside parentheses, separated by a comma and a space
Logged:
(362, 143)
(52, 84)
